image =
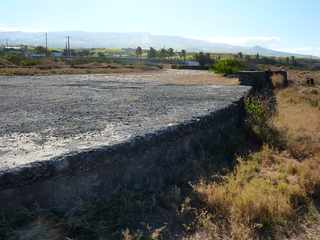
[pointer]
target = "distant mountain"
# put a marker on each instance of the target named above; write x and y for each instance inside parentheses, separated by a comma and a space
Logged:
(132, 40)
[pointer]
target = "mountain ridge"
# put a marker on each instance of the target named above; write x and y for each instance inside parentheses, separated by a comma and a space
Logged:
(82, 39)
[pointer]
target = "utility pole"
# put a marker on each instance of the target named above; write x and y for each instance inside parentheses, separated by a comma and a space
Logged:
(68, 51)
(46, 44)
(69, 46)
(7, 43)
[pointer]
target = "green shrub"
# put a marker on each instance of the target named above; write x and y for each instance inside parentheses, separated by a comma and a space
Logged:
(14, 58)
(256, 111)
(259, 122)
(29, 62)
(228, 66)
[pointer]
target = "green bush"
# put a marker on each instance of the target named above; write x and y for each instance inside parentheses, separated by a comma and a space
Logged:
(29, 62)
(260, 123)
(227, 66)
(256, 110)
(14, 58)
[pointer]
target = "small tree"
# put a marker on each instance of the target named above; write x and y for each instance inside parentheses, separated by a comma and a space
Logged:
(183, 54)
(40, 50)
(228, 66)
(171, 52)
(101, 55)
(139, 52)
(287, 60)
(152, 53)
(240, 55)
(163, 53)
(204, 59)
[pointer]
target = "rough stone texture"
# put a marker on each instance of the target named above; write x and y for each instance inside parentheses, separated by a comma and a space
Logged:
(257, 79)
(138, 134)
(261, 79)
(283, 74)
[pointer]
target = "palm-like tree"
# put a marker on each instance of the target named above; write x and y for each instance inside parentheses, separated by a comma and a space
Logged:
(163, 53)
(171, 52)
(139, 52)
(152, 53)
(184, 54)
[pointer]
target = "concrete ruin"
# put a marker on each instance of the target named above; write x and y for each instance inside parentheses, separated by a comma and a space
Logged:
(138, 135)
(262, 79)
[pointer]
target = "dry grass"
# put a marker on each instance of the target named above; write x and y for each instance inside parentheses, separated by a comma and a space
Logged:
(255, 199)
(79, 69)
(277, 80)
(271, 192)
(299, 114)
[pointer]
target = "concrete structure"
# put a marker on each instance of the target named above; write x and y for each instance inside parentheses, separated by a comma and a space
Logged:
(283, 73)
(261, 79)
(257, 79)
(69, 139)
(56, 54)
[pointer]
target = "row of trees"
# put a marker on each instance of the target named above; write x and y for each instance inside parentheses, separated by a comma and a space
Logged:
(162, 53)
(204, 59)
(284, 60)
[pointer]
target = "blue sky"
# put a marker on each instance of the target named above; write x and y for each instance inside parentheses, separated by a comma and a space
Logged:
(279, 24)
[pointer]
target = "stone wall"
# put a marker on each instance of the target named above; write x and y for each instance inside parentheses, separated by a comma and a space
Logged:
(257, 79)
(148, 163)
(261, 79)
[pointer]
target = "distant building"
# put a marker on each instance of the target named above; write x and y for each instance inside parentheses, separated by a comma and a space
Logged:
(37, 55)
(21, 49)
(192, 63)
(15, 47)
(56, 54)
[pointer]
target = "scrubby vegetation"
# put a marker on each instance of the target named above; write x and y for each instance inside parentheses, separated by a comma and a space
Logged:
(28, 60)
(272, 192)
(228, 66)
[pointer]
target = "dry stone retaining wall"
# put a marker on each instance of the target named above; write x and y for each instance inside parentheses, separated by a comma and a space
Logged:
(150, 162)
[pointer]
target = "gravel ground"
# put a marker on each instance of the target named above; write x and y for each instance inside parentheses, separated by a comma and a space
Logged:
(42, 117)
